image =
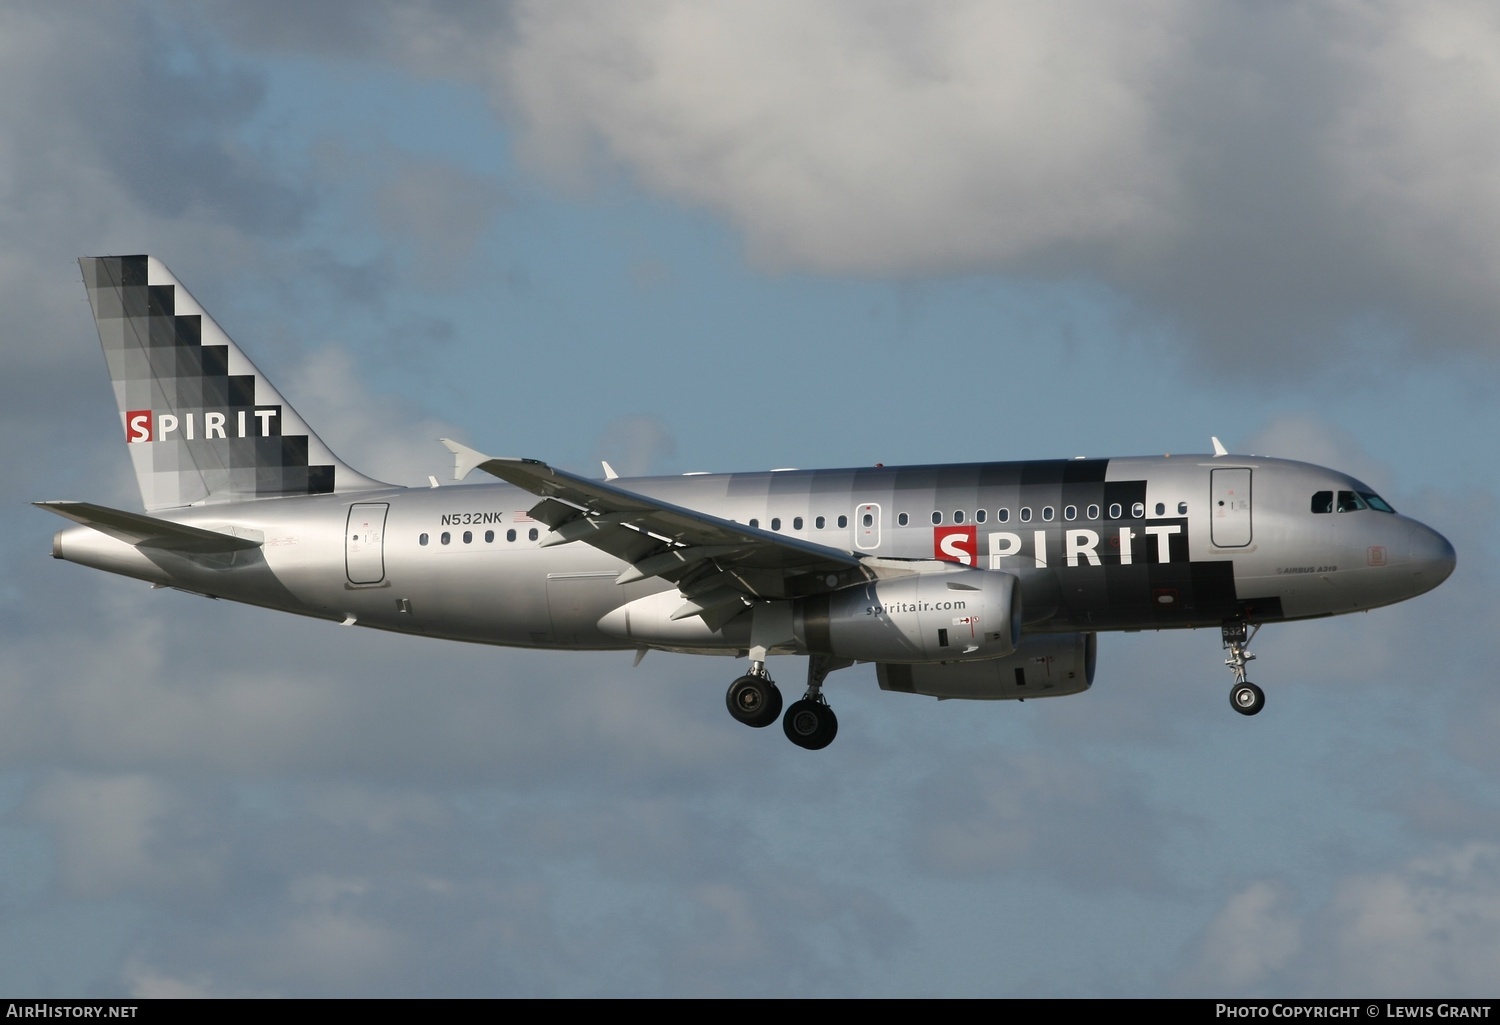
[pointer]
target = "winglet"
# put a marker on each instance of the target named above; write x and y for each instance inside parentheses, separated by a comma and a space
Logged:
(609, 471)
(1219, 449)
(465, 459)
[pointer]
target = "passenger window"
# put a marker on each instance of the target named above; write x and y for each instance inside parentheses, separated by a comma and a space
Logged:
(843, 522)
(1025, 514)
(532, 533)
(868, 520)
(1181, 508)
(1047, 513)
(446, 537)
(468, 537)
(937, 518)
(510, 535)
(902, 519)
(819, 522)
(421, 539)
(1070, 512)
(1115, 511)
(1138, 510)
(958, 516)
(489, 537)
(1161, 509)
(775, 522)
(1322, 502)
(979, 515)
(755, 522)
(1002, 515)
(1093, 512)
(797, 523)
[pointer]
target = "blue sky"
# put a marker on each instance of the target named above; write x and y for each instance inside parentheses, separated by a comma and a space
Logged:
(733, 237)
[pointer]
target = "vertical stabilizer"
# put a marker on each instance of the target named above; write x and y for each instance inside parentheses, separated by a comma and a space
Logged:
(201, 422)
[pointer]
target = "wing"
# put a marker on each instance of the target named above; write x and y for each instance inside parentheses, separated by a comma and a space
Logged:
(717, 564)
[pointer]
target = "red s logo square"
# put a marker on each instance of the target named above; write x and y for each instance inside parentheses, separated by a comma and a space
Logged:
(956, 544)
(138, 425)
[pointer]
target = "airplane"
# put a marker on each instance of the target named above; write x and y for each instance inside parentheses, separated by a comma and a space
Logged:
(965, 581)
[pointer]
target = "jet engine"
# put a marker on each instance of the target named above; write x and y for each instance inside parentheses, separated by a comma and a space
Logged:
(1043, 666)
(958, 615)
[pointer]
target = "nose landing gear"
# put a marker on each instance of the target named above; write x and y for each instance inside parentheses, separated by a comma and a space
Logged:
(1244, 697)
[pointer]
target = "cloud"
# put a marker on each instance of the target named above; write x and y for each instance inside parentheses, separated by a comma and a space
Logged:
(382, 435)
(108, 831)
(1274, 185)
(1427, 928)
(1272, 189)
(158, 134)
(1256, 935)
(843, 138)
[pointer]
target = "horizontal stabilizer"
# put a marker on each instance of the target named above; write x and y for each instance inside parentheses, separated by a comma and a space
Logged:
(148, 531)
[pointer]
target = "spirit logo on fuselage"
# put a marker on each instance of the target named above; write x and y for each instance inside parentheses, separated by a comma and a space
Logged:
(1137, 542)
(146, 425)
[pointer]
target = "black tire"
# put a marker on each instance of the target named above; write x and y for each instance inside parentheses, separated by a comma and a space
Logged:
(810, 724)
(754, 701)
(1246, 698)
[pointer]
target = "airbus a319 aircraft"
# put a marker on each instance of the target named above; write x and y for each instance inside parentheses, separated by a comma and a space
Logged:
(976, 580)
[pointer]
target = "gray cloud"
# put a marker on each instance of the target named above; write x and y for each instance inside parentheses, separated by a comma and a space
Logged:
(1429, 927)
(1271, 188)
(1272, 185)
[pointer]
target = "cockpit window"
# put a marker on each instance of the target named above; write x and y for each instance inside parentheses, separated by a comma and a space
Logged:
(1349, 501)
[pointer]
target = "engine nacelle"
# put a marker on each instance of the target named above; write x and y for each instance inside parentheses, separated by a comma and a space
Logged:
(1044, 666)
(958, 615)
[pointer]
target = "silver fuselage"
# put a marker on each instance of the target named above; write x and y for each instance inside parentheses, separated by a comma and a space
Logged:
(1097, 544)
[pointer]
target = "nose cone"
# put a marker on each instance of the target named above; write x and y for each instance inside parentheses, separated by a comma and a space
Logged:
(1432, 557)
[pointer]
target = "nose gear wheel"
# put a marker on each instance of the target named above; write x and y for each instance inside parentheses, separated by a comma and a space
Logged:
(1244, 697)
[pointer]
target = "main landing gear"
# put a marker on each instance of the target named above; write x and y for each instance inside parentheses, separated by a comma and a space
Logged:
(753, 699)
(809, 722)
(1244, 697)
